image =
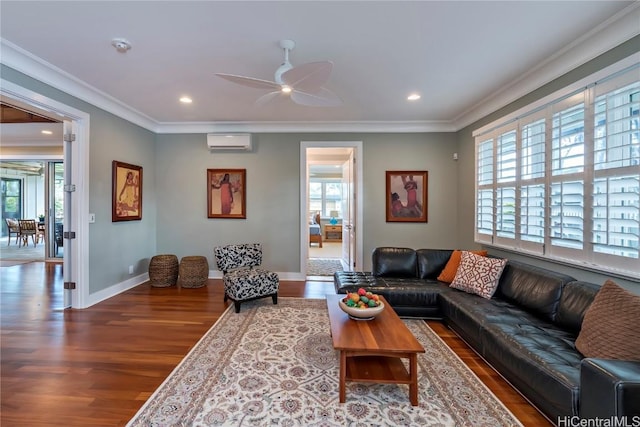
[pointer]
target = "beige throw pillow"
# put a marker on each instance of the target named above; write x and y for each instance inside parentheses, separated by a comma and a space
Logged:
(478, 274)
(610, 326)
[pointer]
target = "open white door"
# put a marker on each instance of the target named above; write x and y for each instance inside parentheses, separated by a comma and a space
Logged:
(69, 189)
(348, 215)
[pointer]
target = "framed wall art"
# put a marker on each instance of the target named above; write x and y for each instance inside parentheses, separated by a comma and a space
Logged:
(126, 184)
(407, 196)
(226, 193)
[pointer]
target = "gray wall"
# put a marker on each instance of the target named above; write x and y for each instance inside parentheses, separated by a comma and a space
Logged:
(466, 177)
(273, 194)
(113, 246)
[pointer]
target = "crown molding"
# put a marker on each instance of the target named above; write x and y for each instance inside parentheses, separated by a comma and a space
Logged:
(25, 62)
(602, 38)
(611, 33)
(306, 127)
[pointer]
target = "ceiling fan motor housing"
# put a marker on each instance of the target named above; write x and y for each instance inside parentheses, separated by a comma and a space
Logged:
(287, 45)
(286, 66)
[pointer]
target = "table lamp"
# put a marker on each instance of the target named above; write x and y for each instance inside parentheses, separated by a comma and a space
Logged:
(333, 215)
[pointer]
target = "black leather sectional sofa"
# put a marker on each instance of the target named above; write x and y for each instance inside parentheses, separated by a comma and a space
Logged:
(527, 331)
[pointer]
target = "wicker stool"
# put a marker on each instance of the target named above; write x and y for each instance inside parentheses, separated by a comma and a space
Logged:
(194, 271)
(163, 271)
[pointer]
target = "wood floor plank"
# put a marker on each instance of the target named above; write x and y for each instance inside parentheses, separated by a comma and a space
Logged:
(96, 367)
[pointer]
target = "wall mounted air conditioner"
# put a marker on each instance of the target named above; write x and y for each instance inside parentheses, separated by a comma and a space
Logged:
(229, 141)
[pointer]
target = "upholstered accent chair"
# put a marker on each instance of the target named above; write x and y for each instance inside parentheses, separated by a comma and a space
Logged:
(243, 279)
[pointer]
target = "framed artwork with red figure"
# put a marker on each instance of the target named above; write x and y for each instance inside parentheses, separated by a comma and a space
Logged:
(226, 193)
(407, 196)
(126, 185)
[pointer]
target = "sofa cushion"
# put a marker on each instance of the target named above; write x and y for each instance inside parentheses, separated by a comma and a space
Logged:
(448, 273)
(409, 297)
(478, 274)
(394, 262)
(610, 326)
(431, 262)
(533, 288)
(538, 358)
(575, 299)
(530, 352)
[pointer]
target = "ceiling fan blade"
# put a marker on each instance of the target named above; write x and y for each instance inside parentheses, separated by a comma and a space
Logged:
(308, 77)
(265, 99)
(322, 98)
(249, 81)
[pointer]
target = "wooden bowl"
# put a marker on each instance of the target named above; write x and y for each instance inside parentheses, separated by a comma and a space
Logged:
(361, 313)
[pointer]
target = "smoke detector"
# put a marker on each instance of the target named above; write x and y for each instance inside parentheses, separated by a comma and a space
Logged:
(121, 45)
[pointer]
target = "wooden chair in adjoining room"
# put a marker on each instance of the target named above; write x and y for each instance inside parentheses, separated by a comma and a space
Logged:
(12, 228)
(58, 234)
(28, 227)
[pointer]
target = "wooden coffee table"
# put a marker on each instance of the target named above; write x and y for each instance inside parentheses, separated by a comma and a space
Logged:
(371, 350)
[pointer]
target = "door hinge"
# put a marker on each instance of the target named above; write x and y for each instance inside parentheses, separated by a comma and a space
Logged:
(69, 285)
(70, 188)
(69, 137)
(69, 235)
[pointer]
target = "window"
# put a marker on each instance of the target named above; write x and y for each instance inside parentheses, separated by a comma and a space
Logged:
(325, 195)
(562, 181)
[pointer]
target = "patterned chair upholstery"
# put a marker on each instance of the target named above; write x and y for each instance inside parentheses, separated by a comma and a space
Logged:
(243, 280)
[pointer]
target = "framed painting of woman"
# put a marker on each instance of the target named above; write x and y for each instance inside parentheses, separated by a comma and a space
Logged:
(407, 196)
(126, 187)
(226, 193)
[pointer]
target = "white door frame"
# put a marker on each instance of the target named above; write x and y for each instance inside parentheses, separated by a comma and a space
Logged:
(304, 184)
(79, 164)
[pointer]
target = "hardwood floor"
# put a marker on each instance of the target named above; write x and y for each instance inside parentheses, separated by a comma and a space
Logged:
(96, 367)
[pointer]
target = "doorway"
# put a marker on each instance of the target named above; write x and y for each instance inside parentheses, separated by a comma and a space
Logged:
(330, 209)
(32, 190)
(76, 161)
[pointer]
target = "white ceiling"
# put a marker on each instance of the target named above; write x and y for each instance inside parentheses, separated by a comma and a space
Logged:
(466, 58)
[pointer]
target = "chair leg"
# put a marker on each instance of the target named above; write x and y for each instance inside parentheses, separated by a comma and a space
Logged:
(237, 306)
(274, 297)
(225, 297)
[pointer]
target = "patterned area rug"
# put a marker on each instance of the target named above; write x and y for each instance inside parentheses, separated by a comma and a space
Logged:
(323, 266)
(275, 365)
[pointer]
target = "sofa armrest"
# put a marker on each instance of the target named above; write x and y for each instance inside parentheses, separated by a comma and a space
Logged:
(609, 388)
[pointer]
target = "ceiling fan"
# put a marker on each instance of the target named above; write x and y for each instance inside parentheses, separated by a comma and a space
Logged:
(302, 84)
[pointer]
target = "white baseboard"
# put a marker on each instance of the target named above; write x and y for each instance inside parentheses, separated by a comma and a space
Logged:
(118, 288)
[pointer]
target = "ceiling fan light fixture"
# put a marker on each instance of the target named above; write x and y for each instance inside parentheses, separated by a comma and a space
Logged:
(303, 83)
(186, 100)
(413, 97)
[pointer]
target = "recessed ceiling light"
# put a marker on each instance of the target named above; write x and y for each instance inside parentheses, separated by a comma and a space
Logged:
(413, 97)
(121, 45)
(46, 132)
(186, 100)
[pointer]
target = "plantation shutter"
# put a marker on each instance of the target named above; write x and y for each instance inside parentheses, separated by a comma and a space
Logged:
(616, 159)
(484, 191)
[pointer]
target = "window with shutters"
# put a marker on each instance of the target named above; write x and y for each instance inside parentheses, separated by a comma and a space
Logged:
(562, 181)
